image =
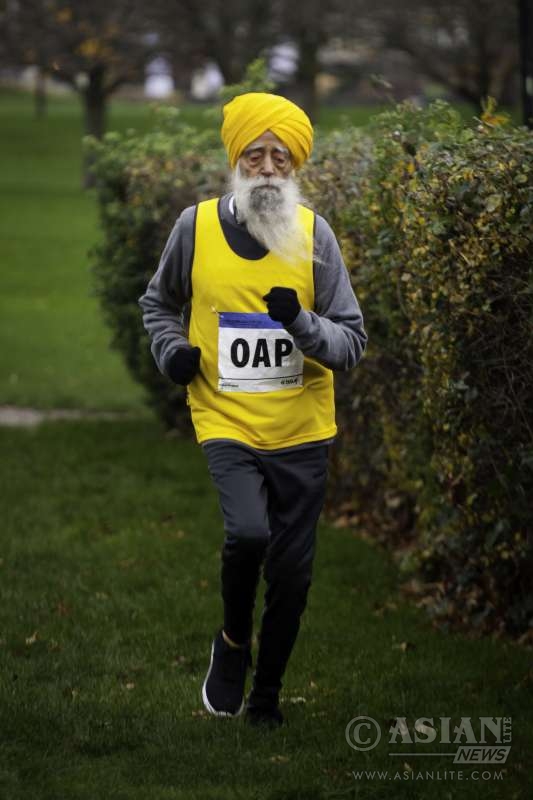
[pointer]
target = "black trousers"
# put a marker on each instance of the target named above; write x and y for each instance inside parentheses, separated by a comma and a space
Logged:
(271, 504)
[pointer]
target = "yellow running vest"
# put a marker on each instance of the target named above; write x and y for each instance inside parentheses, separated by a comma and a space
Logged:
(253, 385)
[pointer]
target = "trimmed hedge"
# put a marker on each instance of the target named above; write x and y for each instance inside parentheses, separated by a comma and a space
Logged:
(438, 427)
(143, 184)
(435, 456)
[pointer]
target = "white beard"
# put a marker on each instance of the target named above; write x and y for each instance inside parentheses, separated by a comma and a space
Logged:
(268, 207)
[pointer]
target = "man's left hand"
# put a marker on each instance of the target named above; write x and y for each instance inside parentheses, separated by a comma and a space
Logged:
(282, 304)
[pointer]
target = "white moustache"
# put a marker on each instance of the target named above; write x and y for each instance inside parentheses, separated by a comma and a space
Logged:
(271, 217)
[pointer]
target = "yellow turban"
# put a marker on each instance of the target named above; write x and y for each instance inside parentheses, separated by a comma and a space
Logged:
(248, 116)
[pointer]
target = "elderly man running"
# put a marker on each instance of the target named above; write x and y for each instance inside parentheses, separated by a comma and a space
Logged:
(252, 308)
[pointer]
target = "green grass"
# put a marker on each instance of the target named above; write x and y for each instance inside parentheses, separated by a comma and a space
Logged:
(110, 597)
(55, 345)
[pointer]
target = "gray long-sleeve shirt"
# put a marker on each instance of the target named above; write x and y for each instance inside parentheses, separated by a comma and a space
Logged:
(332, 333)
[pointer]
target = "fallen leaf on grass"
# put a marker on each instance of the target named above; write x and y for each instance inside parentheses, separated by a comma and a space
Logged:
(526, 681)
(403, 646)
(526, 638)
(330, 771)
(179, 661)
(279, 759)
(126, 563)
(380, 610)
(32, 639)
(297, 700)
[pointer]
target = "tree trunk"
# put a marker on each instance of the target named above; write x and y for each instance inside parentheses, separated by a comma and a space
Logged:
(306, 83)
(483, 67)
(525, 14)
(505, 77)
(95, 107)
(95, 103)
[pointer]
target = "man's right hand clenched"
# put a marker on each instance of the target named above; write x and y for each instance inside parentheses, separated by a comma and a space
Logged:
(183, 365)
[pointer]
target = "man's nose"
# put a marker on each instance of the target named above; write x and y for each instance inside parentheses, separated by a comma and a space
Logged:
(267, 167)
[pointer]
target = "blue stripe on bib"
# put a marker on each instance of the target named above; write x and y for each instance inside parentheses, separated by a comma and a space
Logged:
(229, 319)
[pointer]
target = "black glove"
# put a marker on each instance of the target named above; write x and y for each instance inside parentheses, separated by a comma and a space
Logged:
(183, 365)
(282, 304)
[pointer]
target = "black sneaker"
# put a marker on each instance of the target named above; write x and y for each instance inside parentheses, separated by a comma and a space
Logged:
(264, 717)
(263, 711)
(223, 689)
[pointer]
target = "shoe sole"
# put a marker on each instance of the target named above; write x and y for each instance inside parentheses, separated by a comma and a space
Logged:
(206, 702)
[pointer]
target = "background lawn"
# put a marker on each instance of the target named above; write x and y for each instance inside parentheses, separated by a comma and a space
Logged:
(55, 346)
(110, 576)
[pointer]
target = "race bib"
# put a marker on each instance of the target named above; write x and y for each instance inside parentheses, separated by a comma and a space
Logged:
(256, 354)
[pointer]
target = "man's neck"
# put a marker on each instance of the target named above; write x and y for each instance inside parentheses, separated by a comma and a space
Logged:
(237, 234)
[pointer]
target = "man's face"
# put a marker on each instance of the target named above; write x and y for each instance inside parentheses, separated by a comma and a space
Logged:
(267, 196)
(267, 157)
